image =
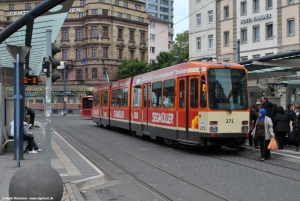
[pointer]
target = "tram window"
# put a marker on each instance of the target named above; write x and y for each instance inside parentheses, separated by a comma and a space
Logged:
(105, 99)
(156, 94)
(96, 99)
(125, 97)
(86, 103)
(203, 92)
(169, 90)
(181, 93)
(137, 96)
(119, 98)
(113, 97)
(194, 93)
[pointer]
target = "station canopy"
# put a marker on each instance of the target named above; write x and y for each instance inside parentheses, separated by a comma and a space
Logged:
(52, 19)
(283, 66)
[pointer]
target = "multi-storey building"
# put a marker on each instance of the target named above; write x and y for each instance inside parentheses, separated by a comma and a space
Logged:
(162, 9)
(158, 37)
(96, 36)
(202, 29)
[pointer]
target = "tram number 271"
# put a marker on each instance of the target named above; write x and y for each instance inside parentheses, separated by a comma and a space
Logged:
(229, 121)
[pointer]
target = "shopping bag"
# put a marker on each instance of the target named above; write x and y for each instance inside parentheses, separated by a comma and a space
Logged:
(273, 144)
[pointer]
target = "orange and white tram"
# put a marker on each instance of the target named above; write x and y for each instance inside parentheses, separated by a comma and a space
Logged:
(195, 103)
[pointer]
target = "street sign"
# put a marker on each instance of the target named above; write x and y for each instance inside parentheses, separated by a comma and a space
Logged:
(61, 66)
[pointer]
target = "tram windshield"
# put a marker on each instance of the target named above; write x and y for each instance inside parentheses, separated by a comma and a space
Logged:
(227, 89)
(87, 103)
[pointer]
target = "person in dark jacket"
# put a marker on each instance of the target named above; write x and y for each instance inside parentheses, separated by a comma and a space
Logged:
(268, 106)
(31, 113)
(290, 109)
(295, 125)
(253, 118)
(281, 125)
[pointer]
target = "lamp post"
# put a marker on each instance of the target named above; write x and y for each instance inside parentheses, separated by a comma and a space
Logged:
(65, 98)
(238, 50)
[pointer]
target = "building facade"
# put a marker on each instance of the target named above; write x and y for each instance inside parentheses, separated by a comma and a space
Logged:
(158, 37)
(202, 29)
(162, 9)
(96, 36)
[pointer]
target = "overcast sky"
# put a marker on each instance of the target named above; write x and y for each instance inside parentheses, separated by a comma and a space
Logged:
(181, 10)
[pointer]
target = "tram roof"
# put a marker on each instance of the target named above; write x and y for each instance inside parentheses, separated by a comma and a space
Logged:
(43, 19)
(281, 64)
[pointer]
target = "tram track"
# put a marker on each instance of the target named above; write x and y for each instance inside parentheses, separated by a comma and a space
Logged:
(150, 188)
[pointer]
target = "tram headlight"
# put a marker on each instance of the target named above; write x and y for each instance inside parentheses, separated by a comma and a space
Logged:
(213, 129)
(245, 129)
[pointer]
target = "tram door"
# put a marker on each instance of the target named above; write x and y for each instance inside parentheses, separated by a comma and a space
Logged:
(183, 109)
(146, 105)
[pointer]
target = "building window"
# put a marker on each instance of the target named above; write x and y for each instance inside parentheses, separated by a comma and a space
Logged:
(78, 74)
(101, 1)
(27, 6)
(152, 50)
(164, 17)
(120, 34)
(81, 15)
(143, 56)
(9, 19)
(94, 11)
(256, 56)
(94, 73)
(78, 34)
(120, 55)
(137, 7)
(131, 36)
(142, 37)
(141, 19)
(153, 14)
(65, 34)
(269, 31)
(226, 12)
(105, 52)
(210, 42)
(151, 7)
(104, 12)
(116, 2)
(11, 6)
(86, 53)
(119, 15)
(291, 1)
(269, 4)
(244, 8)
(36, 4)
(152, 37)
(152, 24)
(198, 43)
(128, 16)
(86, 32)
(163, 9)
(82, 2)
(78, 54)
(244, 58)
(291, 27)
(271, 53)
(94, 31)
(210, 16)
(255, 6)
(131, 54)
(94, 52)
(244, 35)
(164, 2)
(256, 35)
(125, 4)
(198, 19)
(86, 73)
(105, 32)
(65, 54)
(226, 38)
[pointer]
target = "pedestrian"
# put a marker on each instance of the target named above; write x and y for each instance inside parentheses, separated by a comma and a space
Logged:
(253, 119)
(251, 124)
(263, 130)
(281, 126)
(27, 132)
(268, 106)
(295, 126)
(31, 113)
(290, 109)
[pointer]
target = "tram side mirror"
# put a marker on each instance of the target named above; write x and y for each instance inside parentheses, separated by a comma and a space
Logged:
(203, 87)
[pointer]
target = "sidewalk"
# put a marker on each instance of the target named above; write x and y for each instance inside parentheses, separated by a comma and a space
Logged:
(75, 170)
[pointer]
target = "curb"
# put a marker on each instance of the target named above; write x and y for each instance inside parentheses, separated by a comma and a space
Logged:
(84, 184)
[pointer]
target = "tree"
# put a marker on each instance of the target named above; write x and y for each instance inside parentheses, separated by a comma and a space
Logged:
(181, 44)
(163, 60)
(130, 68)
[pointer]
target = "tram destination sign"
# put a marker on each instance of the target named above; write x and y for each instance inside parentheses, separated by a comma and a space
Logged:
(257, 18)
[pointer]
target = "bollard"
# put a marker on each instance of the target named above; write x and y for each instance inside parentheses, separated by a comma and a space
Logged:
(36, 181)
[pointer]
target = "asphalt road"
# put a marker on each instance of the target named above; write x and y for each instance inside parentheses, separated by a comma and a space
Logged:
(143, 169)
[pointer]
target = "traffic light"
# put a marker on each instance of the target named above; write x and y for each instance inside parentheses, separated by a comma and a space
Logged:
(55, 63)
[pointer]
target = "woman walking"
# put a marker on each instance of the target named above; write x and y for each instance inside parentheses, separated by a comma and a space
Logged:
(263, 130)
(281, 126)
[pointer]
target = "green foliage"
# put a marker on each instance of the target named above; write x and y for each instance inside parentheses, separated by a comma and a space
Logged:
(130, 68)
(163, 60)
(181, 44)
